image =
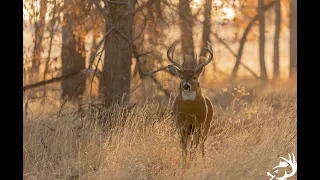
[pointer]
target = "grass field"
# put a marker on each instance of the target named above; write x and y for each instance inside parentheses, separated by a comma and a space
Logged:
(141, 143)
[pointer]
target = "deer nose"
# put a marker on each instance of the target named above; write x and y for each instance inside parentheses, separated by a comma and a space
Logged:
(186, 86)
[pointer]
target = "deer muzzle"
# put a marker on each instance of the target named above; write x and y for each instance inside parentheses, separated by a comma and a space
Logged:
(186, 86)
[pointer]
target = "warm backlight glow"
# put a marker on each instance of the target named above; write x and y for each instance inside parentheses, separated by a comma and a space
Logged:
(37, 8)
(228, 13)
(195, 4)
(217, 3)
(25, 14)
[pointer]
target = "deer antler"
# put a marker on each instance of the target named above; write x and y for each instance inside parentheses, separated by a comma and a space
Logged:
(209, 48)
(170, 55)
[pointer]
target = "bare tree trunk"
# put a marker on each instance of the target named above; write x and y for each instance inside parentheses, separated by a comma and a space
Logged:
(206, 29)
(241, 47)
(276, 68)
(94, 45)
(186, 24)
(52, 31)
(39, 31)
(293, 38)
(72, 54)
(263, 70)
(118, 55)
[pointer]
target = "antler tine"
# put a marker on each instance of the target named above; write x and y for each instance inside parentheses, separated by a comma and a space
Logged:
(209, 48)
(170, 53)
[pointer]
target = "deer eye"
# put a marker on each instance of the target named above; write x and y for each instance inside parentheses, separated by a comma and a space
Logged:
(181, 77)
(194, 78)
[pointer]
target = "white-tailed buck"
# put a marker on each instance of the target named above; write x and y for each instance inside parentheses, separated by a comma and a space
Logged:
(192, 111)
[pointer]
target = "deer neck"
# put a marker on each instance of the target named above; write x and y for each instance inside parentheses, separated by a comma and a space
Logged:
(190, 97)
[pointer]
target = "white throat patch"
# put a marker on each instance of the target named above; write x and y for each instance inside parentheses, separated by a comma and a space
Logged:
(188, 95)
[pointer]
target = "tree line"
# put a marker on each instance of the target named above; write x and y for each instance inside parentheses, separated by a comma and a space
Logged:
(122, 31)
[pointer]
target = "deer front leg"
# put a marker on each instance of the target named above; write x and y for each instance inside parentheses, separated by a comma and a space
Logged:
(184, 141)
(196, 138)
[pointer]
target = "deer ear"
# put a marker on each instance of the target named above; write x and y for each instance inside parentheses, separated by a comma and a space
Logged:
(174, 70)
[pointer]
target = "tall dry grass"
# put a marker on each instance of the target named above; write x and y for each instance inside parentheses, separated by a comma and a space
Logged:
(142, 143)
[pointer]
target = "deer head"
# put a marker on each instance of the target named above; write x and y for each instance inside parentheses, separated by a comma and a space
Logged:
(189, 77)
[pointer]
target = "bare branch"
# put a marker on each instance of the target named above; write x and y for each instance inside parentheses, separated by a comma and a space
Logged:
(144, 54)
(96, 70)
(243, 40)
(56, 79)
(123, 35)
(137, 86)
(225, 44)
(137, 57)
(34, 85)
(91, 63)
(108, 18)
(144, 23)
(102, 11)
(151, 73)
(235, 55)
(154, 71)
(166, 92)
(99, 45)
(148, 4)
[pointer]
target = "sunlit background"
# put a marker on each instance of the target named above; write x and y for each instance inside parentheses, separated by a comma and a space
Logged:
(228, 21)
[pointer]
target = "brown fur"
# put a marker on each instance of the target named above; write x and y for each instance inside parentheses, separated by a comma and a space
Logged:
(192, 112)
(192, 117)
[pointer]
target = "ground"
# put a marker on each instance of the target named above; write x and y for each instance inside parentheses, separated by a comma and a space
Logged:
(246, 142)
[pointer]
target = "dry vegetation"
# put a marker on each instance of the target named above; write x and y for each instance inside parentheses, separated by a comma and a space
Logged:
(141, 143)
(252, 127)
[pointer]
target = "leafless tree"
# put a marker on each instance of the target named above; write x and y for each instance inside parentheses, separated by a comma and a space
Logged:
(263, 70)
(116, 72)
(276, 69)
(52, 28)
(73, 50)
(39, 25)
(206, 28)
(186, 24)
(243, 41)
